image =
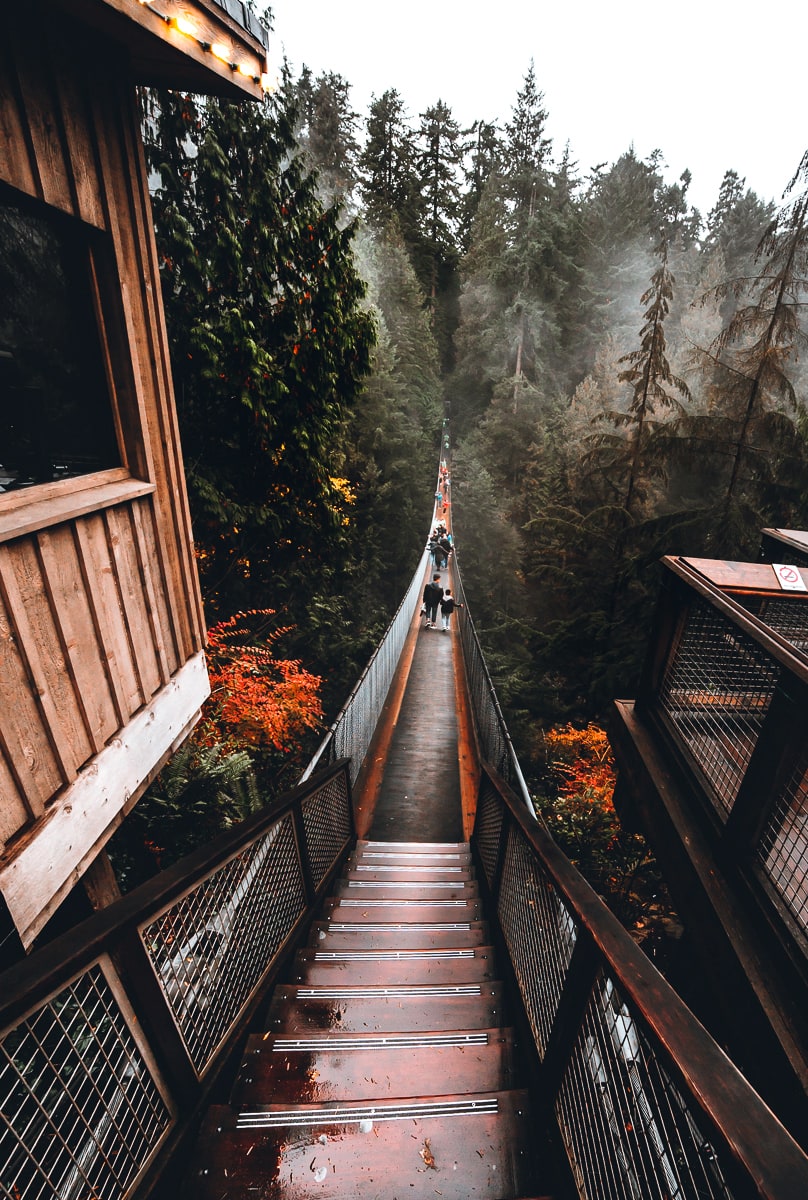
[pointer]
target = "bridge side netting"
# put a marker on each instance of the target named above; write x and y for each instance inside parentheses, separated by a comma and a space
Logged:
(351, 733)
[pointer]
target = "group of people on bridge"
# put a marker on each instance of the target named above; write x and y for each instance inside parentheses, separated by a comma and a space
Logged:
(440, 547)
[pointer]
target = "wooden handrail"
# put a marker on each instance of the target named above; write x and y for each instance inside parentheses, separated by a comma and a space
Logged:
(768, 1159)
(27, 983)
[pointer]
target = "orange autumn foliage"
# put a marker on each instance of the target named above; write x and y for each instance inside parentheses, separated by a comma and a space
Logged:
(257, 701)
(579, 811)
(583, 763)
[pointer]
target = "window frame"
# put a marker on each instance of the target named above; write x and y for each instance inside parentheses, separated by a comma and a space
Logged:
(41, 505)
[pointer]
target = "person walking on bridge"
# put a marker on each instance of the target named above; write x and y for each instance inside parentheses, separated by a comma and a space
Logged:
(433, 594)
(447, 606)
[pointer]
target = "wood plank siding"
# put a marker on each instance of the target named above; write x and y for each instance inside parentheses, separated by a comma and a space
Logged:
(101, 622)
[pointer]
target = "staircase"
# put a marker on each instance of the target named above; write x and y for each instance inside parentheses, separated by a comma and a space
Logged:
(385, 1070)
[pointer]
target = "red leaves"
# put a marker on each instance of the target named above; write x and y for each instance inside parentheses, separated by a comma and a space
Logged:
(257, 700)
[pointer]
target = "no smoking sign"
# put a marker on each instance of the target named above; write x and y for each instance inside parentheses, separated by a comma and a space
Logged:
(789, 578)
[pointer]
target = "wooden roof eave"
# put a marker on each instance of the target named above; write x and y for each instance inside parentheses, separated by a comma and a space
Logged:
(165, 54)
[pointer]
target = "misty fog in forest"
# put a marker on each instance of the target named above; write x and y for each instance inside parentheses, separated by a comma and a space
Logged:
(622, 375)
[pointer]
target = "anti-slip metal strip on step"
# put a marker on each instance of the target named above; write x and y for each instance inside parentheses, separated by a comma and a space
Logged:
(403, 927)
(387, 1041)
(423, 870)
(412, 854)
(405, 883)
(341, 1114)
(424, 991)
(411, 905)
(410, 847)
(390, 955)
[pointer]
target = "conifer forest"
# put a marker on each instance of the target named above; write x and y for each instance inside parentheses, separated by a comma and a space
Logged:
(623, 376)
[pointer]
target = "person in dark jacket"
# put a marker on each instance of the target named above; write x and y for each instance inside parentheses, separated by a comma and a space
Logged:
(447, 606)
(433, 594)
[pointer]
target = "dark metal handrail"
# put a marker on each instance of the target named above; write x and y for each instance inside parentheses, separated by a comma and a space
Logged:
(647, 1104)
(111, 1036)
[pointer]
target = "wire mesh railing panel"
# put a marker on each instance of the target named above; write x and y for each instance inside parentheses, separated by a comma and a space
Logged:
(628, 1130)
(81, 1113)
(327, 822)
(783, 847)
(353, 729)
(487, 719)
(788, 617)
(210, 949)
(488, 826)
(489, 722)
(539, 931)
(716, 691)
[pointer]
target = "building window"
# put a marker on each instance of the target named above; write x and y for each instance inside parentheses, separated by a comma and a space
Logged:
(56, 417)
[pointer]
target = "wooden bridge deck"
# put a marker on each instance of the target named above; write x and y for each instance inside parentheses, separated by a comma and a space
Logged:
(386, 1068)
(419, 783)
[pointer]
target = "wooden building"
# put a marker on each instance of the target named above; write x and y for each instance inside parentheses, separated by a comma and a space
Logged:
(713, 768)
(102, 668)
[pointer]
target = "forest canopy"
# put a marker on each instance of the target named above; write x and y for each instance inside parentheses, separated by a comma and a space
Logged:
(622, 373)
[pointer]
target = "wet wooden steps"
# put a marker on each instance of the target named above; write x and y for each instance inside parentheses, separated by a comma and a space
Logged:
(385, 1069)
(347, 1066)
(402, 935)
(361, 1010)
(457, 964)
(366, 1151)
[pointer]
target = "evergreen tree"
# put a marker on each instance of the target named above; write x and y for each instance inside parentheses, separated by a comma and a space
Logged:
(735, 226)
(483, 151)
(620, 228)
(757, 355)
(649, 375)
(388, 180)
(327, 131)
(270, 339)
(389, 446)
(439, 166)
(527, 149)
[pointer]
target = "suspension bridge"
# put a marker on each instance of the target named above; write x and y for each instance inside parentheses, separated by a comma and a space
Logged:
(390, 983)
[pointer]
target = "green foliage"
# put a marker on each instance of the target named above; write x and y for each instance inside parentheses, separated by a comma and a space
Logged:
(199, 793)
(270, 338)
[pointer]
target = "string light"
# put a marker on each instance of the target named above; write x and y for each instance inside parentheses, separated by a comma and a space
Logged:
(217, 49)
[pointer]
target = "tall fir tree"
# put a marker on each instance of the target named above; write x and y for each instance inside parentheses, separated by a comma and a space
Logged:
(270, 339)
(439, 167)
(483, 157)
(388, 182)
(327, 132)
(651, 379)
(757, 358)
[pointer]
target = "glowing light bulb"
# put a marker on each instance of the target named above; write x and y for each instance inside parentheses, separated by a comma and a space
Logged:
(220, 51)
(184, 25)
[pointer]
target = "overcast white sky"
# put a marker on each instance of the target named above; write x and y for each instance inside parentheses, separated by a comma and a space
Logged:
(715, 84)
